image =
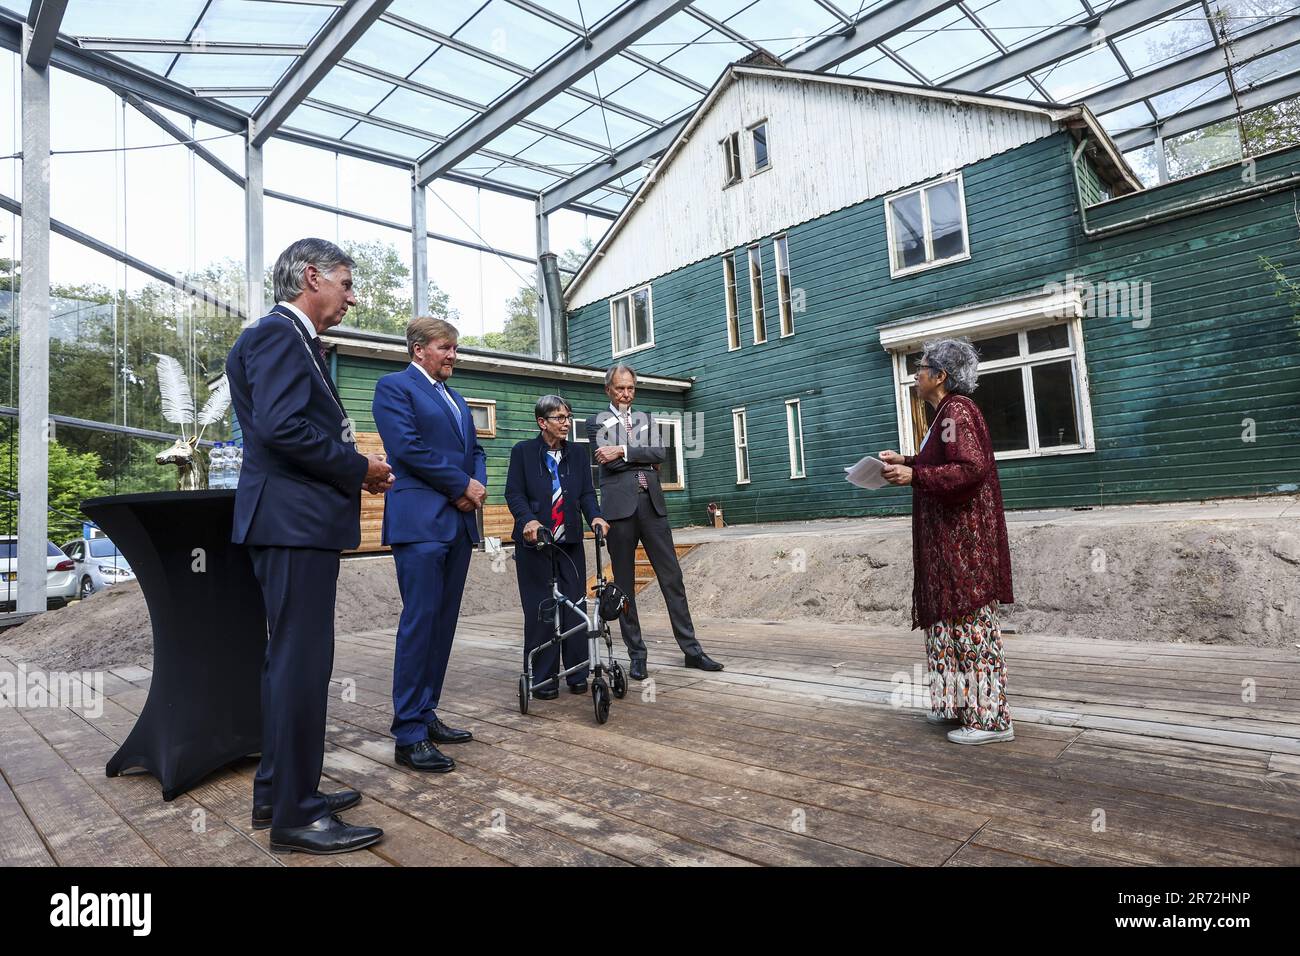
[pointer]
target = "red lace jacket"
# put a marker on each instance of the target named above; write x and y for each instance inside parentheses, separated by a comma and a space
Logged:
(961, 560)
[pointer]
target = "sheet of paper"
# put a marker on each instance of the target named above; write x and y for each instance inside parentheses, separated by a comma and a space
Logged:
(866, 474)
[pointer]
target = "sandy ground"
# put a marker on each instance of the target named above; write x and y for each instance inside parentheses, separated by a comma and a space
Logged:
(1212, 581)
(112, 628)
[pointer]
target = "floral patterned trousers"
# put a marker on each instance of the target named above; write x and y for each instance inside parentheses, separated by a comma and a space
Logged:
(968, 678)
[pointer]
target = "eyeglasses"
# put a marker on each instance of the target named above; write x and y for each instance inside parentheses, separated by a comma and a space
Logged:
(559, 418)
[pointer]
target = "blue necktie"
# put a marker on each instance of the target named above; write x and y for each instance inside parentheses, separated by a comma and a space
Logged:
(446, 395)
(557, 499)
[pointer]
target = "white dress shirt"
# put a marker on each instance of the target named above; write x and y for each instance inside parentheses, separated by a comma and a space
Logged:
(306, 322)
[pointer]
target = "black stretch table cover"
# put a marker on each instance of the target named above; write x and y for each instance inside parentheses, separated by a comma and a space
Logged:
(209, 634)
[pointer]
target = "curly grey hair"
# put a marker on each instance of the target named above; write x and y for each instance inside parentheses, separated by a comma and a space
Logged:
(292, 265)
(958, 358)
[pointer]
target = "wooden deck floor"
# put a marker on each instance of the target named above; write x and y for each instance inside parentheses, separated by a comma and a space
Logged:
(1125, 754)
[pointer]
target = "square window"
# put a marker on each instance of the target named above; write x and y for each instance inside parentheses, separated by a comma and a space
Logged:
(631, 321)
(926, 226)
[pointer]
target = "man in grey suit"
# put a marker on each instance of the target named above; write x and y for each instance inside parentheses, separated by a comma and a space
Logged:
(627, 461)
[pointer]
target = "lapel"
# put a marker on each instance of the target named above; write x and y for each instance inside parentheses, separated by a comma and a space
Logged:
(426, 386)
(311, 350)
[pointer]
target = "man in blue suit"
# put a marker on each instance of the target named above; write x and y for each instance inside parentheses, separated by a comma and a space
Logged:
(430, 522)
(549, 486)
(297, 506)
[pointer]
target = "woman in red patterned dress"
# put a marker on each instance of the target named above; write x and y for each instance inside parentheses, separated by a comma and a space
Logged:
(961, 560)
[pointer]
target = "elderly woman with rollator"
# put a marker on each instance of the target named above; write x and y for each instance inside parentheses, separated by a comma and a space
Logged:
(961, 560)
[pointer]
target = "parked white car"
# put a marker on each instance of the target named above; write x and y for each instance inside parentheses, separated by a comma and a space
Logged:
(98, 564)
(60, 575)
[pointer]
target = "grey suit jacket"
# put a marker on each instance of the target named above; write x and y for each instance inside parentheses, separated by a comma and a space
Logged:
(617, 479)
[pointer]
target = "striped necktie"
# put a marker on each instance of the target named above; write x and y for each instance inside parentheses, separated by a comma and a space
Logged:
(557, 499)
(640, 475)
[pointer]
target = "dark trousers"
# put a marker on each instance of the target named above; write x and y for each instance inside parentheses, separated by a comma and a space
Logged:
(533, 568)
(652, 530)
(298, 586)
(431, 578)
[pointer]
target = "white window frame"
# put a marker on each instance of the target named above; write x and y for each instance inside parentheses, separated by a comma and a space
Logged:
(491, 405)
(732, 167)
(757, 299)
(794, 436)
(752, 128)
(930, 263)
(673, 423)
(574, 434)
(785, 296)
(649, 318)
(740, 439)
(1064, 305)
(733, 300)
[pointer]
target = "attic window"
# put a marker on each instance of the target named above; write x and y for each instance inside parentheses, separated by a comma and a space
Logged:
(731, 154)
(927, 226)
(762, 160)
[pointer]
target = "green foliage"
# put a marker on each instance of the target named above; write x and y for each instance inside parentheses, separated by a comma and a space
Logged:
(382, 283)
(73, 478)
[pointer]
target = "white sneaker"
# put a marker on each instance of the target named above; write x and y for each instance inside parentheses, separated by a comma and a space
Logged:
(933, 718)
(969, 735)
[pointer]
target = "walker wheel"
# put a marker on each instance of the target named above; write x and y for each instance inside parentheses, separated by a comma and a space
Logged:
(600, 698)
(620, 681)
(523, 694)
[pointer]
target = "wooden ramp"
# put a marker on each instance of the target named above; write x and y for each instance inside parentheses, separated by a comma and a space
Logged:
(1125, 753)
(645, 574)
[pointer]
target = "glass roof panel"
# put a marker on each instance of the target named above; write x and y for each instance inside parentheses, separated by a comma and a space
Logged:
(873, 64)
(129, 19)
(391, 49)
(1069, 80)
(467, 76)
(356, 91)
(229, 69)
(575, 11)
(309, 119)
(1133, 116)
(523, 176)
(511, 141)
(1021, 89)
(423, 112)
(783, 25)
(1271, 66)
(559, 153)
(445, 18)
(390, 141)
(1186, 31)
(591, 126)
(158, 63)
(245, 104)
(669, 37)
(705, 61)
(721, 9)
(953, 44)
(255, 21)
(1016, 22)
(514, 34)
(656, 96)
(1244, 16)
(1205, 90)
(558, 110)
(609, 76)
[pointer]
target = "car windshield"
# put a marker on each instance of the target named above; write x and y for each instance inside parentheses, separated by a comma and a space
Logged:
(103, 548)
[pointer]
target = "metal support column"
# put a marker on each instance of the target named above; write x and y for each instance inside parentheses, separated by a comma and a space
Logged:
(419, 249)
(34, 425)
(546, 345)
(254, 218)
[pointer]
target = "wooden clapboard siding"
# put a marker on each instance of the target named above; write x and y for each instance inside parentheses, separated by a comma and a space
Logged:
(1167, 401)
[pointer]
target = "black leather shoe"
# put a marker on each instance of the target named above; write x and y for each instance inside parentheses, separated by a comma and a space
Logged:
(335, 802)
(703, 662)
(423, 756)
(580, 688)
(440, 733)
(327, 835)
(547, 693)
(637, 669)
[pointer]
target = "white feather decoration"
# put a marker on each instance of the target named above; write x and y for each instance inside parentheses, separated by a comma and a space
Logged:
(174, 389)
(217, 403)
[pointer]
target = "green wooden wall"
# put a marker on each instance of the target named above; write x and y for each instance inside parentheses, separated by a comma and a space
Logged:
(515, 396)
(1167, 401)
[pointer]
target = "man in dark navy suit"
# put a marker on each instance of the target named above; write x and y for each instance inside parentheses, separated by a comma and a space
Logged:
(430, 522)
(297, 507)
(549, 486)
